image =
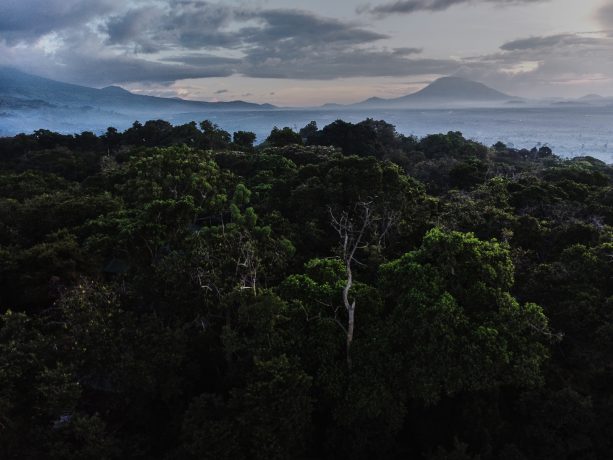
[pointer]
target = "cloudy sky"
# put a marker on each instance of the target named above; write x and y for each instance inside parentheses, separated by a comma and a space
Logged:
(291, 52)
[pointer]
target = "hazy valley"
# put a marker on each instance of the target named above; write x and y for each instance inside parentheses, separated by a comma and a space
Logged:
(570, 126)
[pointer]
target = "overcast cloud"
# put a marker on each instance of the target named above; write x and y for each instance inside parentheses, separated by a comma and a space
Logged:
(414, 6)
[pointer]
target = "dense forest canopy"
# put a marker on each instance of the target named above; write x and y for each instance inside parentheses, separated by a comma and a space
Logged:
(178, 292)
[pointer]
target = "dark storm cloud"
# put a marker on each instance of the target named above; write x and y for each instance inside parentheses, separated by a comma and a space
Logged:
(278, 43)
(174, 24)
(407, 51)
(25, 20)
(204, 60)
(576, 49)
(297, 44)
(333, 64)
(196, 25)
(523, 64)
(176, 39)
(534, 43)
(129, 27)
(413, 6)
(111, 69)
(83, 59)
(307, 28)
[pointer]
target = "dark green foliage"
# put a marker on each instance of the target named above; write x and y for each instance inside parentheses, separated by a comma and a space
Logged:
(367, 138)
(243, 140)
(282, 137)
(174, 292)
(452, 316)
(267, 419)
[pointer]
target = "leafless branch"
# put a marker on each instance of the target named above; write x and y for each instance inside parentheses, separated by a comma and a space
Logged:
(355, 232)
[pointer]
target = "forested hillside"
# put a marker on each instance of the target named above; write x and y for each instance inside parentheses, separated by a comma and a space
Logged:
(339, 293)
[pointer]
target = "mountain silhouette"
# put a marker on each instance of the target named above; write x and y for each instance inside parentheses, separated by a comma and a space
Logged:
(20, 87)
(444, 91)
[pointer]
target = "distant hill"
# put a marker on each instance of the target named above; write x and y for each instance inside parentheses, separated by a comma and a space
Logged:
(446, 91)
(21, 87)
(592, 97)
(596, 100)
(589, 100)
(29, 102)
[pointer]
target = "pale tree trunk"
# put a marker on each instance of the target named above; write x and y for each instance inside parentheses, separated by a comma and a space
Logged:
(350, 324)
(354, 233)
(350, 307)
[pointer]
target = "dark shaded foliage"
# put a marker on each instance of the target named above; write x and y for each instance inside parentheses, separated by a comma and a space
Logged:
(175, 292)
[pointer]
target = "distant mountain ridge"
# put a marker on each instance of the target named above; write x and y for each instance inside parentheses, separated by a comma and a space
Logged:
(441, 92)
(22, 87)
(459, 88)
(29, 102)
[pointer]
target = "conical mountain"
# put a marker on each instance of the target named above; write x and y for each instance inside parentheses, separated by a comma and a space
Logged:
(445, 91)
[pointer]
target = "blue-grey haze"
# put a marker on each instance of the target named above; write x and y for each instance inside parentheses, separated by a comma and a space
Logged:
(569, 131)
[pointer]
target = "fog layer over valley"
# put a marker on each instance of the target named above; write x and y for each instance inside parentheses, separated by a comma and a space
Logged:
(571, 127)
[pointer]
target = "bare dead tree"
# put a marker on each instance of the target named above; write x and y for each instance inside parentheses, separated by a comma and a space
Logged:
(356, 230)
(239, 249)
(247, 265)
